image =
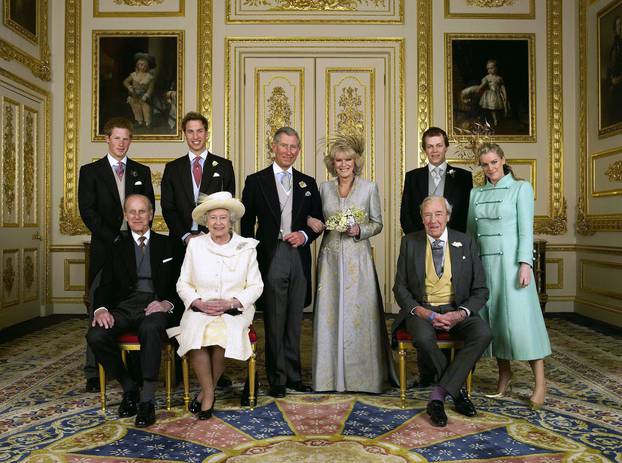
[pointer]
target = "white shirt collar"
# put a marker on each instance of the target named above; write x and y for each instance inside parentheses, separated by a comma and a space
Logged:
(443, 237)
(136, 236)
(203, 155)
(442, 166)
(113, 162)
(277, 169)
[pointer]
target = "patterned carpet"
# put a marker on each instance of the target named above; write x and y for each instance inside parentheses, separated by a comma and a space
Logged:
(46, 417)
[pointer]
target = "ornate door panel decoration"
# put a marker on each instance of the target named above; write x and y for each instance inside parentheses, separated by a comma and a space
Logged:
(30, 273)
(29, 173)
(315, 11)
(351, 109)
(137, 8)
(10, 148)
(10, 277)
(25, 125)
(279, 93)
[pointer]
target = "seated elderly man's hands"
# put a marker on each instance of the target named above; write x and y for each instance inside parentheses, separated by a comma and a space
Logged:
(158, 306)
(103, 318)
(446, 321)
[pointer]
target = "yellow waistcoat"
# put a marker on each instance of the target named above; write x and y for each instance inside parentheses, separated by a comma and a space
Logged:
(439, 291)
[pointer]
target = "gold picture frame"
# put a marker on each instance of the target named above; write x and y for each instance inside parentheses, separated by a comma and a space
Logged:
(29, 22)
(138, 75)
(609, 52)
(490, 80)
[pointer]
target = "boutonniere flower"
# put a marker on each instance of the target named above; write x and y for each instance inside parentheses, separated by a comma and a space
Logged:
(214, 163)
(456, 244)
(133, 173)
(451, 172)
(302, 184)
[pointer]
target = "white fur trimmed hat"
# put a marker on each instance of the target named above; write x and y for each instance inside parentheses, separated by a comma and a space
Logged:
(219, 200)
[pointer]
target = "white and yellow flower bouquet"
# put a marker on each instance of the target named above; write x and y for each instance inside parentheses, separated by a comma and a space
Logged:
(344, 219)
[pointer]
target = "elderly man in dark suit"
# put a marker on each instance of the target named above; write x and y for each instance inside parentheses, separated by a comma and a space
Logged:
(440, 285)
(102, 188)
(279, 199)
(198, 171)
(137, 293)
(437, 178)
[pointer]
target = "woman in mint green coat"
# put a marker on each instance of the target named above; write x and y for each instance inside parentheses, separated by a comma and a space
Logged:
(501, 220)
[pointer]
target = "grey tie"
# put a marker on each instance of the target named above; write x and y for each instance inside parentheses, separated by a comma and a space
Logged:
(286, 181)
(437, 256)
(437, 173)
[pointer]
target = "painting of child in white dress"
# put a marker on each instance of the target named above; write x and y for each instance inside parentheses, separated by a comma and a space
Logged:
(491, 83)
(139, 79)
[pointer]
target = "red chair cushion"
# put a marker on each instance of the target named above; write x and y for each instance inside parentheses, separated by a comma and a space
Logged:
(403, 335)
(252, 334)
(128, 338)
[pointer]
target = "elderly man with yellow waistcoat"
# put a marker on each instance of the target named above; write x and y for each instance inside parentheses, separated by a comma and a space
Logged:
(440, 286)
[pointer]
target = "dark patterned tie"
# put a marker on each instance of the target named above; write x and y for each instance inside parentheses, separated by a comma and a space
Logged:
(437, 256)
(141, 245)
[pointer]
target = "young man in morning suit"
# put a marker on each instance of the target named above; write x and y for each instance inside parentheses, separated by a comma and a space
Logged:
(438, 178)
(279, 199)
(184, 178)
(138, 293)
(102, 188)
(440, 285)
(198, 171)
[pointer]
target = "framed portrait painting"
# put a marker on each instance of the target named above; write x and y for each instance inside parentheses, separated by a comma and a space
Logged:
(138, 75)
(609, 26)
(490, 81)
(22, 16)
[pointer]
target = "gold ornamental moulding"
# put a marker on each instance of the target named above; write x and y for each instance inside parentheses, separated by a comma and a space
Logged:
(70, 221)
(38, 65)
(140, 9)
(315, 11)
(493, 9)
(588, 223)
(614, 172)
(9, 155)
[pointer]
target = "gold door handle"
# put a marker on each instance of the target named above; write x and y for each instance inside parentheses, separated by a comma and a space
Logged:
(37, 236)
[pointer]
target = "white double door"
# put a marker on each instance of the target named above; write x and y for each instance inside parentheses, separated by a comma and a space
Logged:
(319, 96)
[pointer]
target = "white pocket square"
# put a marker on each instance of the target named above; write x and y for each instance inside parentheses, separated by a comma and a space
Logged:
(138, 183)
(216, 174)
(308, 193)
(167, 260)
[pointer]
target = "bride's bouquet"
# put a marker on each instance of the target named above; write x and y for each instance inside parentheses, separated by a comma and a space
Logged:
(344, 219)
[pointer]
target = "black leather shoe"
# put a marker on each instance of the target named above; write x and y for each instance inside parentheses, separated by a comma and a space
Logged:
(128, 404)
(206, 414)
(436, 410)
(92, 385)
(299, 387)
(194, 406)
(224, 381)
(278, 392)
(463, 404)
(145, 415)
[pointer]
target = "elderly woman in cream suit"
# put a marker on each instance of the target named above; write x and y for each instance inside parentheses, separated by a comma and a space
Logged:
(219, 284)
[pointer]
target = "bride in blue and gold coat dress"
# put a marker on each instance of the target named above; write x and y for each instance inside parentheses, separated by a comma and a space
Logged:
(501, 220)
